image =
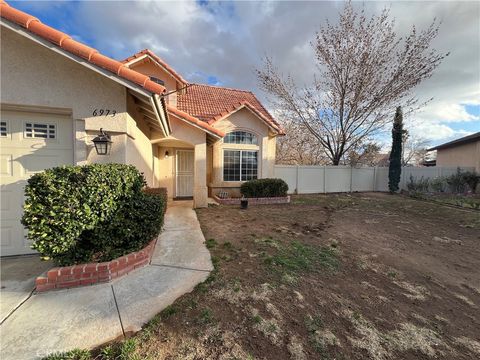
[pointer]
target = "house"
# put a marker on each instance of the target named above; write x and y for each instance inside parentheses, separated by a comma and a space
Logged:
(382, 159)
(463, 152)
(57, 93)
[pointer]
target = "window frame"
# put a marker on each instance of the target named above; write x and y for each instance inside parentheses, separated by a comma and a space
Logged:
(253, 136)
(5, 134)
(51, 129)
(241, 151)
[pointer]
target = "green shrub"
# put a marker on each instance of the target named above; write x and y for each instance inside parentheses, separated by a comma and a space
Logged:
(264, 188)
(96, 212)
(460, 182)
(128, 230)
(438, 184)
(421, 185)
(456, 182)
(471, 178)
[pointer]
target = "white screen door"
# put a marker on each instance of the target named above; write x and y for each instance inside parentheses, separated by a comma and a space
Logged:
(185, 159)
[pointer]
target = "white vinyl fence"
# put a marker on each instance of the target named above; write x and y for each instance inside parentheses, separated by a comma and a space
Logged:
(327, 179)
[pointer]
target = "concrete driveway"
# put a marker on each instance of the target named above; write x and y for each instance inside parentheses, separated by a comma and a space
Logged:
(18, 275)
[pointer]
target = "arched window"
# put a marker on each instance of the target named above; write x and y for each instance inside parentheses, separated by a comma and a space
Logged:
(240, 137)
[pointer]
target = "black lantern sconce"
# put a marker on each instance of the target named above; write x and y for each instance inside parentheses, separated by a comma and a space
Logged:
(166, 154)
(102, 143)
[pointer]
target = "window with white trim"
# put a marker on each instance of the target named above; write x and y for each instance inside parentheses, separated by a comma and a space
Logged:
(240, 137)
(3, 129)
(41, 131)
(240, 165)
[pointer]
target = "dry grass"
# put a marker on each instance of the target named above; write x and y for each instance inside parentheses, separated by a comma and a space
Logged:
(365, 276)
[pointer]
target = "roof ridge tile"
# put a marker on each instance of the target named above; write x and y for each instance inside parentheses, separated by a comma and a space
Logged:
(222, 87)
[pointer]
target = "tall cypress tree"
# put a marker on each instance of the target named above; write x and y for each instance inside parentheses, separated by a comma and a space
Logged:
(395, 166)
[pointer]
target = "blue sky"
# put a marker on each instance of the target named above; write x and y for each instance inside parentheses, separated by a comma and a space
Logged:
(221, 43)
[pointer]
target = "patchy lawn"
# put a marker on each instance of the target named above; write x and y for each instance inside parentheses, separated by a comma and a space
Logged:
(367, 276)
(470, 201)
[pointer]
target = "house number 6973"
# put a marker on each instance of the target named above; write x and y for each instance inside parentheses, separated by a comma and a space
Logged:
(104, 112)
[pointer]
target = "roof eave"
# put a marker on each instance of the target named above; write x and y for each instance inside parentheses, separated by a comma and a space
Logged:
(193, 121)
(458, 142)
(158, 103)
(175, 76)
(278, 131)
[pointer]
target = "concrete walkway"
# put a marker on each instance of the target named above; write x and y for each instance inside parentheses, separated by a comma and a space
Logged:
(35, 325)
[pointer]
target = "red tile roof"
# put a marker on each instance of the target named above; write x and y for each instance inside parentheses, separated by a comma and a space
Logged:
(200, 103)
(74, 47)
(211, 103)
(174, 111)
(167, 67)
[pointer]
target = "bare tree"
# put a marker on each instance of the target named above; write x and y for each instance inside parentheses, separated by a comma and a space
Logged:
(414, 149)
(299, 146)
(364, 71)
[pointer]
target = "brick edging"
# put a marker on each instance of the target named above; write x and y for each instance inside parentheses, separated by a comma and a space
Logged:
(94, 273)
(254, 201)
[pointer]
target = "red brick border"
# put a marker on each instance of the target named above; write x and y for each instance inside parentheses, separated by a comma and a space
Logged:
(254, 201)
(93, 273)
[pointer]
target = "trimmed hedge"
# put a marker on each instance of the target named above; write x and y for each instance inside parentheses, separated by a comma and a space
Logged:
(96, 212)
(264, 188)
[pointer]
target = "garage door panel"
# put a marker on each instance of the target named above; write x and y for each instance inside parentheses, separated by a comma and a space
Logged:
(13, 236)
(34, 142)
(34, 163)
(13, 197)
(6, 162)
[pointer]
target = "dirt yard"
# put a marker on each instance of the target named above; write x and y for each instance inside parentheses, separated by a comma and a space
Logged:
(367, 276)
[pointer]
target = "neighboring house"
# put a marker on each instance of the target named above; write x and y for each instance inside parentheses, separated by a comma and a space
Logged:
(463, 152)
(55, 94)
(382, 159)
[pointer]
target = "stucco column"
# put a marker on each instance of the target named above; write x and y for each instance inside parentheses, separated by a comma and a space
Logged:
(264, 160)
(200, 191)
(80, 149)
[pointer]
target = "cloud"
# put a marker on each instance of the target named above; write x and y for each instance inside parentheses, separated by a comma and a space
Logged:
(226, 41)
(448, 112)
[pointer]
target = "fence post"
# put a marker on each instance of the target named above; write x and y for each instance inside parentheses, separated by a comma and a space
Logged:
(402, 179)
(374, 178)
(351, 178)
(296, 181)
(324, 179)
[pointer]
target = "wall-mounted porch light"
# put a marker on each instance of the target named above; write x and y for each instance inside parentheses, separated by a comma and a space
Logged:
(166, 154)
(102, 143)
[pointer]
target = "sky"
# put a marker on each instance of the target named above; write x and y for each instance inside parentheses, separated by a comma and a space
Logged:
(221, 43)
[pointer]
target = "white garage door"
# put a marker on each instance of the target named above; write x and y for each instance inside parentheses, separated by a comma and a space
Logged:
(29, 143)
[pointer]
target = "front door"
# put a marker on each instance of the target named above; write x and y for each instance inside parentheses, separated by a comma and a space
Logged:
(185, 161)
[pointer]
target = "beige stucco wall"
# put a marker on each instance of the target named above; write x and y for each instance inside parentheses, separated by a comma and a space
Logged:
(35, 76)
(130, 145)
(467, 155)
(151, 69)
(244, 120)
(140, 152)
(166, 169)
